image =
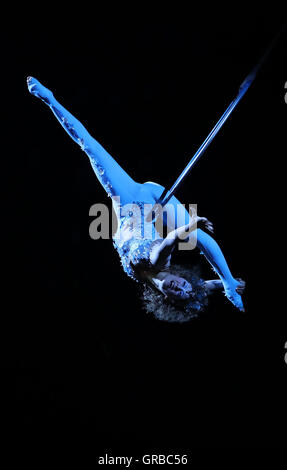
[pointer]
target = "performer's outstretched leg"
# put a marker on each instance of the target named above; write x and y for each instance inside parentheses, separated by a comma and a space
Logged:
(113, 178)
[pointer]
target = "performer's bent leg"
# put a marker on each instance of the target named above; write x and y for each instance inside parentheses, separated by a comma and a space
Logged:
(177, 216)
(113, 178)
(211, 250)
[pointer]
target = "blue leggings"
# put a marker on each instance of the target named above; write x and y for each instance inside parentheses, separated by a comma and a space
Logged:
(117, 182)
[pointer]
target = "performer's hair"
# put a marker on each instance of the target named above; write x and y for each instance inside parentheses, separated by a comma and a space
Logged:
(172, 310)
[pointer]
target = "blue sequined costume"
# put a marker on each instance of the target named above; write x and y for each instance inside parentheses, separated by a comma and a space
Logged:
(135, 253)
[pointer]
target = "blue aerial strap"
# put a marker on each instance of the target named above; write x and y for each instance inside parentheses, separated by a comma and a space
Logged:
(167, 194)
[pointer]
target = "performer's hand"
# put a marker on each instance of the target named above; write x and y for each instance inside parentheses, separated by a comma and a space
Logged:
(241, 286)
(38, 90)
(206, 223)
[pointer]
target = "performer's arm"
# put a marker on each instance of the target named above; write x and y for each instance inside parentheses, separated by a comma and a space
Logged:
(161, 253)
(213, 285)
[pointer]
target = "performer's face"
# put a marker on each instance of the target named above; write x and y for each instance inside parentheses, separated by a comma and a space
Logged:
(177, 287)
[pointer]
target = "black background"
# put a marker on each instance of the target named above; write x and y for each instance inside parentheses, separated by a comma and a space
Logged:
(80, 356)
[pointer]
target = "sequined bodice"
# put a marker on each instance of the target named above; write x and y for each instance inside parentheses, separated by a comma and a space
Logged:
(135, 246)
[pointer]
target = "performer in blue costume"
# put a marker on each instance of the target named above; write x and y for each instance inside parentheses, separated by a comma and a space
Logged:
(147, 259)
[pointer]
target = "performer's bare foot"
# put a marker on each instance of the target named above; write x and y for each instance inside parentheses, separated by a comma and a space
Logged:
(38, 90)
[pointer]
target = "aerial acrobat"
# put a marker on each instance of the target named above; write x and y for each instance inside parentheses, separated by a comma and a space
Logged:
(145, 259)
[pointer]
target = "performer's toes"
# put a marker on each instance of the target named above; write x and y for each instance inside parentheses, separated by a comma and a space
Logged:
(32, 84)
(38, 90)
